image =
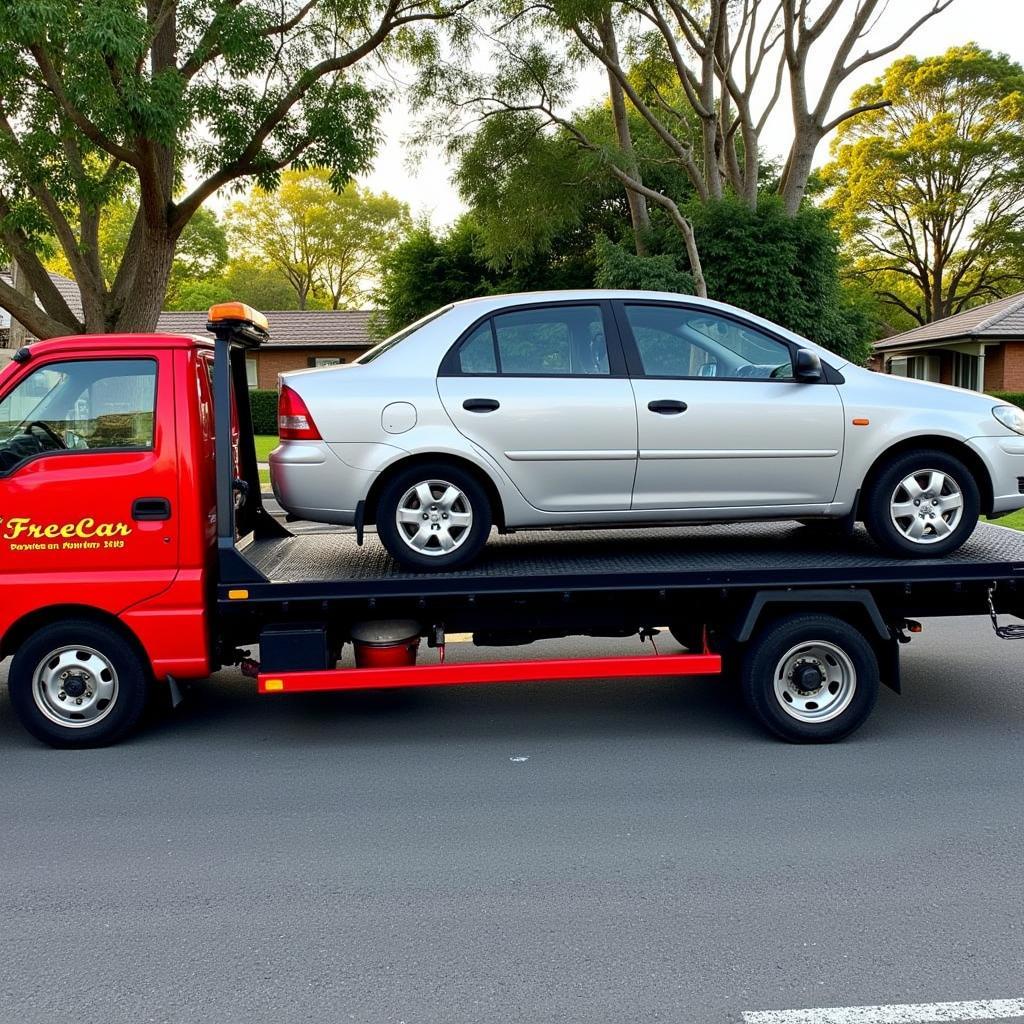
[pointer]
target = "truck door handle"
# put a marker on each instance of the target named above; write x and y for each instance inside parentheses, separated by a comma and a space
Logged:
(150, 509)
(481, 404)
(667, 406)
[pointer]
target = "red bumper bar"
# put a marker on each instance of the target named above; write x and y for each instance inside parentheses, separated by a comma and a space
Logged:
(455, 674)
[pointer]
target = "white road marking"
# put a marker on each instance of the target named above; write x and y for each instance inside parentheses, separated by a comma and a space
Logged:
(894, 1013)
(520, 759)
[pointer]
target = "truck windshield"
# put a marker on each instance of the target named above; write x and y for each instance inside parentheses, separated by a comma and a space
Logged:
(406, 332)
(78, 405)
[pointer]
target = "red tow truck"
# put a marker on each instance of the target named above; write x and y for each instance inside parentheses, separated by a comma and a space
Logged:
(136, 553)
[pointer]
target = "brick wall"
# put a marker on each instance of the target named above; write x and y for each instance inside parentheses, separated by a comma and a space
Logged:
(995, 368)
(270, 362)
(1011, 357)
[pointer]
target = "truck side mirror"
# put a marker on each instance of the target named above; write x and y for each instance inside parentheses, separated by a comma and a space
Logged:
(807, 367)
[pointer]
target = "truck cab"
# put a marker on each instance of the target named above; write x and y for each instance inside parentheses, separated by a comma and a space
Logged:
(107, 522)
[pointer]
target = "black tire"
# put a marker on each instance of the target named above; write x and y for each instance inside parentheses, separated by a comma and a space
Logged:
(115, 718)
(689, 635)
(882, 489)
(469, 544)
(772, 649)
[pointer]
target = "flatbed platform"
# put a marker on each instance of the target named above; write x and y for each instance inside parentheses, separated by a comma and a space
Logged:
(327, 564)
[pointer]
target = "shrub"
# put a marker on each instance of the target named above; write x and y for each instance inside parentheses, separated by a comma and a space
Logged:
(264, 411)
(1010, 397)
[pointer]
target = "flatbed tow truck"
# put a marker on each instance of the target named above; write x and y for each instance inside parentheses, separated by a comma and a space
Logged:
(136, 553)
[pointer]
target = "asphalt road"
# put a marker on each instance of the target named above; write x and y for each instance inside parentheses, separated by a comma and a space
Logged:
(392, 857)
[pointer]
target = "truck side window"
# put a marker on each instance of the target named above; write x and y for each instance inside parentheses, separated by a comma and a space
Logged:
(81, 405)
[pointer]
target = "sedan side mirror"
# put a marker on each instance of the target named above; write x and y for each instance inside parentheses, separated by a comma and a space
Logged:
(807, 367)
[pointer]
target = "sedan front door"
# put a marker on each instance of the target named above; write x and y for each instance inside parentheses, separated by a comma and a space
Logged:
(722, 422)
(544, 392)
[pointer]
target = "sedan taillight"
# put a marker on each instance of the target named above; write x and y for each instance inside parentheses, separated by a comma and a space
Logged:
(294, 422)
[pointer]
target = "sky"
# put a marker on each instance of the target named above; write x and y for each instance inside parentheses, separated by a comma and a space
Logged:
(993, 24)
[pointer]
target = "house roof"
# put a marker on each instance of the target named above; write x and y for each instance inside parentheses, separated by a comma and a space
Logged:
(67, 288)
(289, 328)
(1003, 318)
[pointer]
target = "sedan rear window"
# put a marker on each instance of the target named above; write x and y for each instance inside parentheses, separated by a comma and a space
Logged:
(550, 341)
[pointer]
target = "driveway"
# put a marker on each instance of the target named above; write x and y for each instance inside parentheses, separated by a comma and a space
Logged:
(620, 852)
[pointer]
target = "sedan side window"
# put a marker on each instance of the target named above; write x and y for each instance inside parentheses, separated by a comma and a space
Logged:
(678, 342)
(552, 341)
(477, 353)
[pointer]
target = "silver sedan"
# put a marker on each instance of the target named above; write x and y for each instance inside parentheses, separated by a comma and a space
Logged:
(589, 408)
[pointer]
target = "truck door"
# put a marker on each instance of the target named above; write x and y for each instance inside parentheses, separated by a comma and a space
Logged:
(88, 476)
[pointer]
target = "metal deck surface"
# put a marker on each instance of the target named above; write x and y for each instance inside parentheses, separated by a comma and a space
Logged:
(694, 555)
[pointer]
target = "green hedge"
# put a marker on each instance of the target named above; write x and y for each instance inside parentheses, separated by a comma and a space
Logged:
(1010, 397)
(264, 411)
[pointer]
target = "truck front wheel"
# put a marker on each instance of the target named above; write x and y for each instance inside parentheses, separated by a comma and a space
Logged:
(78, 684)
(810, 678)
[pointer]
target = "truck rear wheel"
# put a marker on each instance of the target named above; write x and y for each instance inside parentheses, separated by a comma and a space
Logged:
(810, 678)
(78, 684)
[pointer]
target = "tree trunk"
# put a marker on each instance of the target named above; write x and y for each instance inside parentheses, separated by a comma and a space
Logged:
(18, 334)
(639, 215)
(144, 301)
(799, 164)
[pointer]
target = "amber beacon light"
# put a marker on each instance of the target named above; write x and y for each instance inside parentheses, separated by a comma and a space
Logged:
(238, 311)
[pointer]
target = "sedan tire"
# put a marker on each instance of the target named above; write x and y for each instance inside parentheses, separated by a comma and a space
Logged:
(923, 504)
(433, 516)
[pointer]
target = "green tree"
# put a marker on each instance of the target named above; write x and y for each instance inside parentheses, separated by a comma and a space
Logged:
(428, 270)
(201, 252)
(786, 269)
(327, 243)
(704, 76)
(260, 285)
(928, 187)
(96, 97)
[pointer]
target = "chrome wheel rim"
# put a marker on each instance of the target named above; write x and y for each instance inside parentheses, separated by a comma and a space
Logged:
(815, 682)
(434, 518)
(75, 687)
(926, 506)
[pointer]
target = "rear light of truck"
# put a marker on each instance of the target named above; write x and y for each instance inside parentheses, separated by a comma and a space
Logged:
(294, 422)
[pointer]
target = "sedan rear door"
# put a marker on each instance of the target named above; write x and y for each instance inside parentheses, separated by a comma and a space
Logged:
(543, 390)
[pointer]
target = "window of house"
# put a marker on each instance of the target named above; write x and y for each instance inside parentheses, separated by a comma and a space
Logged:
(252, 376)
(326, 361)
(80, 405)
(965, 371)
(916, 367)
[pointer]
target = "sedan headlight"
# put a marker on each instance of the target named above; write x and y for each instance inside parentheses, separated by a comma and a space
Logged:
(1010, 416)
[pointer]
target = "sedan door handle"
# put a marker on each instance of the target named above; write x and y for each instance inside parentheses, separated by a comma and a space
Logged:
(667, 406)
(481, 404)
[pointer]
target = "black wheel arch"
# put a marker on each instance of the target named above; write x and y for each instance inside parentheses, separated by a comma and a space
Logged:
(933, 442)
(38, 618)
(467, 465)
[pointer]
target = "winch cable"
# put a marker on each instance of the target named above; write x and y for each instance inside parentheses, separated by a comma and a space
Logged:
(1014, 631)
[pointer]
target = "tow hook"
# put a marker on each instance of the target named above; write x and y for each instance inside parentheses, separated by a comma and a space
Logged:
(909, 626)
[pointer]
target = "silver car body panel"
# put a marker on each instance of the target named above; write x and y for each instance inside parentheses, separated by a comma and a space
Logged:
(586, 450)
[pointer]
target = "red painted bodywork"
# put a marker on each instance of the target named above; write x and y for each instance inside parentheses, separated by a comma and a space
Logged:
(476, 672)
(155, 581)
